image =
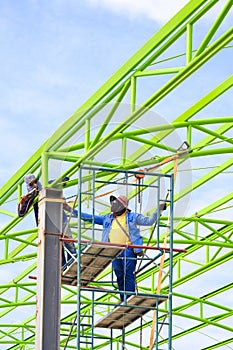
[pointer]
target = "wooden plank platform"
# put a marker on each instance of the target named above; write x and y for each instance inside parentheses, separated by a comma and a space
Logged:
(94, 259)
(122, 315)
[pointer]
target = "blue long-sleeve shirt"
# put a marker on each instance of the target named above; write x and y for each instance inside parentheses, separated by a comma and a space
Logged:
(133, 220)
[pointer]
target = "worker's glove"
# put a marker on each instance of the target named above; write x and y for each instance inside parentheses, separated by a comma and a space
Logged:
(162, 206)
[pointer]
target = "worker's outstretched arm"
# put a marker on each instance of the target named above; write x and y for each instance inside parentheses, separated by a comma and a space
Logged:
(150, 220)
(98, 219)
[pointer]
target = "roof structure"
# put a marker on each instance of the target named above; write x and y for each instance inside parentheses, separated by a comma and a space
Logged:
(119, 127)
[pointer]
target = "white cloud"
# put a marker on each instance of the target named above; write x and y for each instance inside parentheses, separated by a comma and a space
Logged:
(159, 10)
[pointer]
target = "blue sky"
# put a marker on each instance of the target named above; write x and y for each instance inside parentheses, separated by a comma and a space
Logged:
(54, 55)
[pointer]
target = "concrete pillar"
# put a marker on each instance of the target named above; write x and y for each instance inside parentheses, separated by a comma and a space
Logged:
(49, 269)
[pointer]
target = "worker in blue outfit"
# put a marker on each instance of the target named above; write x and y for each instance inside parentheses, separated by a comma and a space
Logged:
(121, 226)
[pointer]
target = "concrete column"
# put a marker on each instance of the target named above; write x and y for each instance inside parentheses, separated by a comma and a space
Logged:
(49, 269)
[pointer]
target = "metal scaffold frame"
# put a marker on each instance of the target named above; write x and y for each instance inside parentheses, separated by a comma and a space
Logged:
(119, 127)
(83, 273)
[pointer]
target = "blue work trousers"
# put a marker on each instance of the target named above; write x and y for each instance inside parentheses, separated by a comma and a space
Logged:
(125, 269)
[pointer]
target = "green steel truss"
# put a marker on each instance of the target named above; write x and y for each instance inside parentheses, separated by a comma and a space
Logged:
(119, 127)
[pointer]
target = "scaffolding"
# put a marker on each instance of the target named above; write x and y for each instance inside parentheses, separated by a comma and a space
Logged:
(91, 271)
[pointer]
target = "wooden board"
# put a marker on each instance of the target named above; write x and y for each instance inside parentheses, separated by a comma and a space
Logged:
(123, 315)
(94, 259)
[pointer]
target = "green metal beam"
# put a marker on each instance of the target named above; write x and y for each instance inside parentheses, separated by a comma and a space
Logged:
(196, 233)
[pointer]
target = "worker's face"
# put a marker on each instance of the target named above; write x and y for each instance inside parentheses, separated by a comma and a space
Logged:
(116, 206)
(33, 183)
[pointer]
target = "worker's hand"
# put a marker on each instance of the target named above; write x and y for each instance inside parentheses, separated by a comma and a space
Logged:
(162, 206)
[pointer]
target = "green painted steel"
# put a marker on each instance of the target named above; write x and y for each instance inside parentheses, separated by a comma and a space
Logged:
(119, 127)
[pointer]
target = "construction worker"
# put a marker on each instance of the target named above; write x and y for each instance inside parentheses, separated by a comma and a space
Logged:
(121, 226)
(33, 188)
